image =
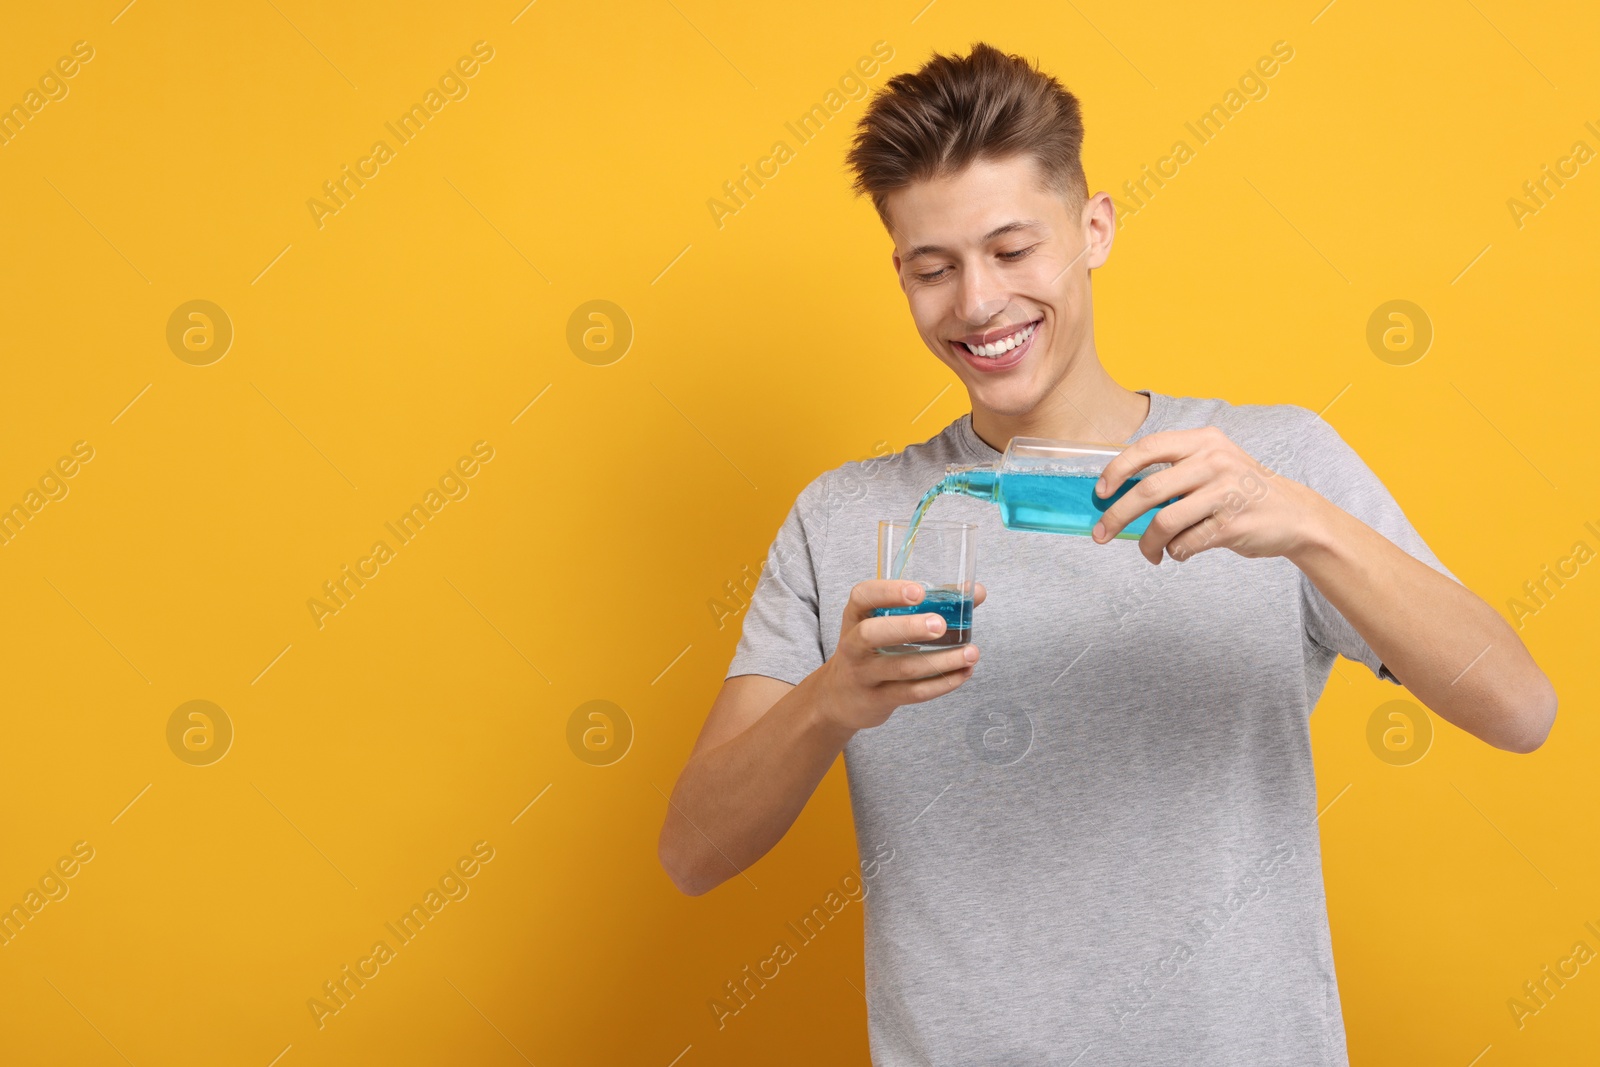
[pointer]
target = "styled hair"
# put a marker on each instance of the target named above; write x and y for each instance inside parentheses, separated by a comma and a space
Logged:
(958, 110)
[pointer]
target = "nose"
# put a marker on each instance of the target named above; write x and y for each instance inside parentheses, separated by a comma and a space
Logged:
(982, 293)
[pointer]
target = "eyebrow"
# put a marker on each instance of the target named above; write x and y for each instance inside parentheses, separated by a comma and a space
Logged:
(998, 231)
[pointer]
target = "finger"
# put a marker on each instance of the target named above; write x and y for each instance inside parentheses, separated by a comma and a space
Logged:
(1158, 488)
(884, 630)
(926, 663)
(926, 688)
(1168, 446)
(867, 596)
(1177, 521)
(1197, 538)
(979, 593)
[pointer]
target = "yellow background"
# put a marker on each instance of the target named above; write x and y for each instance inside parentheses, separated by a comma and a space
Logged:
(425, 316)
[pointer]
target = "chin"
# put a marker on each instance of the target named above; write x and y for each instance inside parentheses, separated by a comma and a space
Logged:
(1012, 396)
(1009, 403)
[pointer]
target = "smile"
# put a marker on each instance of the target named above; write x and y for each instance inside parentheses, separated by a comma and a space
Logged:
(999, 353)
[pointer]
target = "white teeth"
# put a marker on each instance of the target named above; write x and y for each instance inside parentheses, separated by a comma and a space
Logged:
(1001, 347)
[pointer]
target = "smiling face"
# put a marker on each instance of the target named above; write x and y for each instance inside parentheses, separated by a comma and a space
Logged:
(995, 266)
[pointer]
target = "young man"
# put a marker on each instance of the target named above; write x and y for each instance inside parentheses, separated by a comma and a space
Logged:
(1102, 842)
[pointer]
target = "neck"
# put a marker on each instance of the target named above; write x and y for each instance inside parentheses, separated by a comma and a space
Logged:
(1086, 405)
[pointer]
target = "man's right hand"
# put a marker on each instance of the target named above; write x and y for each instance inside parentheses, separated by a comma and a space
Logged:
(766, 744)
(862, 687)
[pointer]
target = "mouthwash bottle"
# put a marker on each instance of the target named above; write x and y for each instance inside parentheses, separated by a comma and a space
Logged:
(1046, 486)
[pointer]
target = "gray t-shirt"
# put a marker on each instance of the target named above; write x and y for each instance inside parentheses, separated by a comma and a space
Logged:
(1102, 849)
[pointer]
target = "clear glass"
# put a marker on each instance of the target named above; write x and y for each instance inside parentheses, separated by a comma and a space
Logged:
(942, 558)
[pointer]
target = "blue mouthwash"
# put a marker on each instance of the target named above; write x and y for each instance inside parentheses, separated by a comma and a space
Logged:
(948, 604)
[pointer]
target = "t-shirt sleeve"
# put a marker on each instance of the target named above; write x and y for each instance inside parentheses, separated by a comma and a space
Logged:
(782, 633)
(1332, 468)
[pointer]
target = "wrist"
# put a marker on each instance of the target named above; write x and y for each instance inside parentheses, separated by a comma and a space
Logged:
(819, 706)
(1317, 533)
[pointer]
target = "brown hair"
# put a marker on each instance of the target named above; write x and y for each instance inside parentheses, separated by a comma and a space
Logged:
(957, 110)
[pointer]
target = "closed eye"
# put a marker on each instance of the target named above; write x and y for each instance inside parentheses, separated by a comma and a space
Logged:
(1010, 257)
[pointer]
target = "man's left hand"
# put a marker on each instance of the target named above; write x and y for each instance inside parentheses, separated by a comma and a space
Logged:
(1227, 499)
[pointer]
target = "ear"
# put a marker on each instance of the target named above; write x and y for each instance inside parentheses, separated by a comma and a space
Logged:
(1100, 228)
(894, 257)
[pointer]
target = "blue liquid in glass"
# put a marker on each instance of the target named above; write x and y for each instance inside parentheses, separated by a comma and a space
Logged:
(948, 604)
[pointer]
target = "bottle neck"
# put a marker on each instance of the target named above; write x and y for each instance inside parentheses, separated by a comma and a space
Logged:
(980, 482)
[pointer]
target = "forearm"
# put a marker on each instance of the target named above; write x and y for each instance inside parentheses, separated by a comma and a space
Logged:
(1445, 644)
(735, 801)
